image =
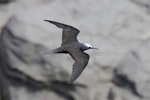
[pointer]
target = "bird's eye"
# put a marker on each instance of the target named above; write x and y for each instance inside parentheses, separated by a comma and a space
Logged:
(89, 47)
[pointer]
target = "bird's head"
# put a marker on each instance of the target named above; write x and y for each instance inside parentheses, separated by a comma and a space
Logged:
(87, 46)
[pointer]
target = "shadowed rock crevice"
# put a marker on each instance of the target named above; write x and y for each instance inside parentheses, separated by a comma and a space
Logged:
(111, 95)
(123, 81)
(19, 79)
(6, 1)
(4, 93)
(64, 89)
(142, 3)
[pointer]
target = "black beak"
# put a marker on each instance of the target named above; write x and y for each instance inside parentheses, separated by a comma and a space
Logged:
(94, 48)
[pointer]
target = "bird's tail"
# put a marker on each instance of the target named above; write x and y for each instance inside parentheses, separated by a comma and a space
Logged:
(57, 50)
(47, 52)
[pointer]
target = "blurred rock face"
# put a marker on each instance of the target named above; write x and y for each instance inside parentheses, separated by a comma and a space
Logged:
(134, 68)
(119, 71)
(4, 1)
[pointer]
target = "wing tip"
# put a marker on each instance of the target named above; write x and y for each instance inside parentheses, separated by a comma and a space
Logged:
(61, 25)
(47, 20)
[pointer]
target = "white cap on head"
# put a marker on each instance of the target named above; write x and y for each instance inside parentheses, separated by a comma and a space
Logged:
(87, 45)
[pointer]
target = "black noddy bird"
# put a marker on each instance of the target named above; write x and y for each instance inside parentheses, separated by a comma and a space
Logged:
(71, 45)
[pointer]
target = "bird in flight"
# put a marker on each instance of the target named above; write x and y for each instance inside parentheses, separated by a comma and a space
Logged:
(71, 45)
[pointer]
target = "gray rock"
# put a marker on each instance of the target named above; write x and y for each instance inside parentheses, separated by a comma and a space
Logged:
(143, 4)
(15, 6)
(133, 71)
(115, 27)
(4, 1)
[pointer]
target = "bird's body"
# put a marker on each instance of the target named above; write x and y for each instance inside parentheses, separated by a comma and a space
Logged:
(70, 45)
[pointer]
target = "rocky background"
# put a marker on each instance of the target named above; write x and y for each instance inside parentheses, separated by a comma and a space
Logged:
(118, 71)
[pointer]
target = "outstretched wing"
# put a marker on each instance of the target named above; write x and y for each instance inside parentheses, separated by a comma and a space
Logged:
(69, 33)
(81, 60)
